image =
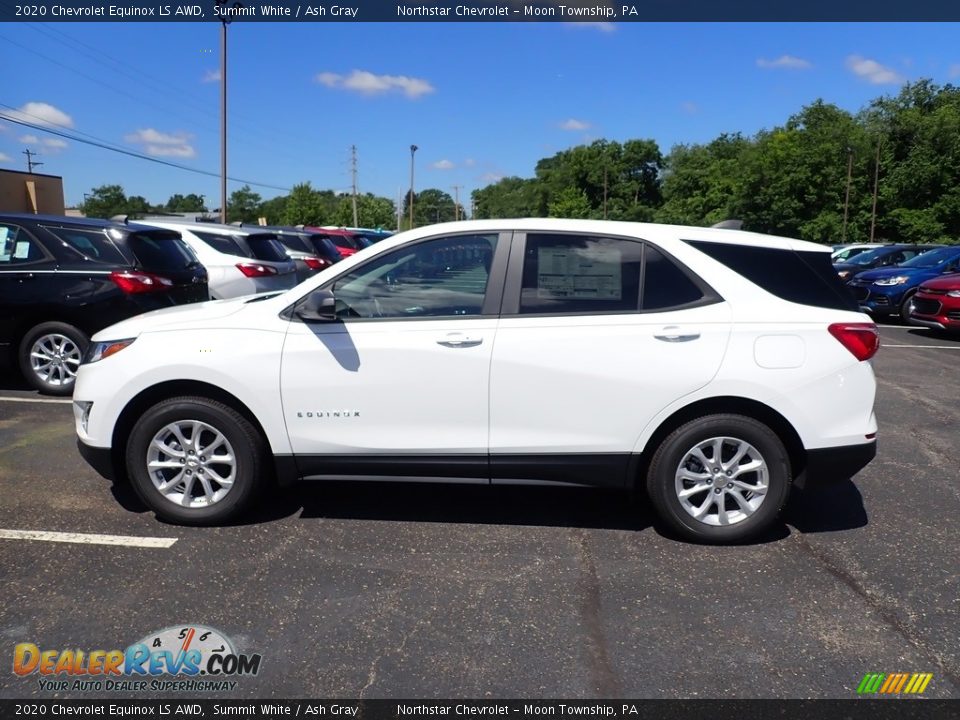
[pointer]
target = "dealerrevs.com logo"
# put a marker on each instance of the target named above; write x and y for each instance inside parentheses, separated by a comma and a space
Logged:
(187, 658)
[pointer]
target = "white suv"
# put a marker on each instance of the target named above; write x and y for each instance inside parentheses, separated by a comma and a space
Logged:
(712, 368)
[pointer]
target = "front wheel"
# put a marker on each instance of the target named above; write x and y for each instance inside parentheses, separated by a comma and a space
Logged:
(195, 461)
(720, 479)
(50, 356)
(906, 307)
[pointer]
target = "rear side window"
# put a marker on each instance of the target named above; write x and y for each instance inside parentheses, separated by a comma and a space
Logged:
(223, 243)
(581, 274)
(807, 278)
(325, 247)
(91, 244)
(160, 251)
(266, 247)
(295, 242)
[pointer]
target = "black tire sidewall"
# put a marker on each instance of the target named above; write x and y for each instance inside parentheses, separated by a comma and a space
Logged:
(245, 441)
(23, 354)
(904, 307)
(660, 481)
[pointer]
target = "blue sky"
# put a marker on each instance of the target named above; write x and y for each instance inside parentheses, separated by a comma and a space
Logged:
(481, 100)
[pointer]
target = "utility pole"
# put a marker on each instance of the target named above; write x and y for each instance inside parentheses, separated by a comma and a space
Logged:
(456, 201)
(399, 207)
(413, 149)
(604, 192)
(353, 170)
(846, 203)
(876, 183)
(31, 164)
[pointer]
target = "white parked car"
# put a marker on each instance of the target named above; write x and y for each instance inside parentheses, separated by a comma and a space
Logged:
(713, 369)
(845, 253)
(238, 261)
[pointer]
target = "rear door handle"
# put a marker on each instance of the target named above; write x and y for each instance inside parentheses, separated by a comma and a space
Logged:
(456, 340)
(674, 334)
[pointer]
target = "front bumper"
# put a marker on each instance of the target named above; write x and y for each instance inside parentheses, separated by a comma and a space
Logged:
(835, 464)
(100, 459)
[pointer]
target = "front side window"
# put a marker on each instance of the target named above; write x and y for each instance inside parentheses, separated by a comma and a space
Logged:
(437, 278)
(18, 248)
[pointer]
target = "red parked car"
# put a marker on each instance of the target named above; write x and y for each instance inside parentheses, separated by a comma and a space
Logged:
(347, 242)
(937, 304)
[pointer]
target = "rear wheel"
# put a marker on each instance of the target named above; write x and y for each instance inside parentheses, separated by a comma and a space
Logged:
(720, 479)
(906, 307)
(50, 356)
(195, 461)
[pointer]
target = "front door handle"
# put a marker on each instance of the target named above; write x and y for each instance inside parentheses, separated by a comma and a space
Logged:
(672, 333)
(456, 340)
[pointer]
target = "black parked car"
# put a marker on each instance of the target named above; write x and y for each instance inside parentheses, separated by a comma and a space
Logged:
(886, 256)
(62, 279)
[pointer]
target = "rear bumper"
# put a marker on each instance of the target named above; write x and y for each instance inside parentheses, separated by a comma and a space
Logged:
(835, 464)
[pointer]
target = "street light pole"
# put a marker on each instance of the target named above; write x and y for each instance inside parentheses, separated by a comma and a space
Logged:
(846, 203)
(223, 121)
(413, 149)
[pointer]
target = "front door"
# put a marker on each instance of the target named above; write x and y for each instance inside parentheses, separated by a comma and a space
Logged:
(402, 377)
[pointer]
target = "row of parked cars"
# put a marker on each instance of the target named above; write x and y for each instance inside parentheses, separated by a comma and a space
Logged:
(64, 278)
(918, 283)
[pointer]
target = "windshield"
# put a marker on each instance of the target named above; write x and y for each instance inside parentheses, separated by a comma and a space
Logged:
(932, 258)
(868, 257)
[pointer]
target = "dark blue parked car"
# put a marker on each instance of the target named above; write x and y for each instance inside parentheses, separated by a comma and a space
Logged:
(889, 291)
(885, 256)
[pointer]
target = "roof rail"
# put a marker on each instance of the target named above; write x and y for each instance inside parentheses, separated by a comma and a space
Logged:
(728, 225)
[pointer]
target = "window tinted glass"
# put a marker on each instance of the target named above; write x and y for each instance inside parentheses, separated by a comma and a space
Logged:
(932, 258)
(442, 277)
(91, 244)
(18, 248)
(325, 248)
(294, 242)
(807, 278)
(223, 243)
(664, 284)
(160, 250)
(580, 274)
(266, 247)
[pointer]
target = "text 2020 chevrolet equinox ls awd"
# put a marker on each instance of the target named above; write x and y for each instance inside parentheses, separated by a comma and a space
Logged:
(712, 368)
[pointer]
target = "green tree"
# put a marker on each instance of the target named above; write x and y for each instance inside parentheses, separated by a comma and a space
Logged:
(105, 202)
(243, 205)
(306, 206)
(273, 209)
(372, 211)
(570, 203)
(511, 197)
(430, 206)
(185, 203)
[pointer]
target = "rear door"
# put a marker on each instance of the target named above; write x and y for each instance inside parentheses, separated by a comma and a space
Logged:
(598, 335)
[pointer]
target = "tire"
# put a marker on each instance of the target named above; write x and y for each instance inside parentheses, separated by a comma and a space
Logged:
(49, 357)
(905, 308)
(198, 499)
(746, 517)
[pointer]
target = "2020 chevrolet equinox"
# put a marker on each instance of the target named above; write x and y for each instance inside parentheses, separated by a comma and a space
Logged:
(712, 368)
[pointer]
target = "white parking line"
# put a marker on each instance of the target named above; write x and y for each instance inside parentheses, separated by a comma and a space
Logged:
(932, 347)
(87, 538)
(34, 400)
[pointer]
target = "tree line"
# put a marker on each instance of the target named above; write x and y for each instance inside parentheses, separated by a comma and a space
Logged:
(892, 169)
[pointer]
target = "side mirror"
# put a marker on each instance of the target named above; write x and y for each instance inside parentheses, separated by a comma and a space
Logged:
(318, 306)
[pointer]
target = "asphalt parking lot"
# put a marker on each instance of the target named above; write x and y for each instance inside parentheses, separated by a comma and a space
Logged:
(381, 591)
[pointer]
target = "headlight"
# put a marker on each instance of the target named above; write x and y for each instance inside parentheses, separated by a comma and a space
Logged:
(896, 280)
(953, 293)
(100, 350)
(844, 274)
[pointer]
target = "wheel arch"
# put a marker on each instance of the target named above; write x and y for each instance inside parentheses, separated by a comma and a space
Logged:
(723, 405)
(146, 398)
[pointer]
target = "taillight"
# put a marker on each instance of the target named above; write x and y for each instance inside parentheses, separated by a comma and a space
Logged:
(140, 282)
(861, 339)
(315, 263)
(256, 270)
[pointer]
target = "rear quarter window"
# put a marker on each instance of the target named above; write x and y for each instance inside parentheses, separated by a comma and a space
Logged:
(223, 243)
(89, 243)
(160, 250)
(806, 278)
(267, 247)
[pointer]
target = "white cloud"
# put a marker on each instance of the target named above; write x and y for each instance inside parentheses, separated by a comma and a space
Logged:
(954, 70)
(41, 113)
(785, 61)
(607, 27)
(872, 71)
(491, 177)
(574, 124)
(161, 144)
(367, 83)
(211, 76)
(5, 158)
(51, 143)
(443, 165)
(690, 107)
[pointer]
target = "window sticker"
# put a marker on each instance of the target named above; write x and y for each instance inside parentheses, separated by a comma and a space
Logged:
(578, 273)
(4, 244)
(22, 251)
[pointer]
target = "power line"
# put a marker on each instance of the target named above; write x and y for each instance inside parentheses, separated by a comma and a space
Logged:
(137, 155)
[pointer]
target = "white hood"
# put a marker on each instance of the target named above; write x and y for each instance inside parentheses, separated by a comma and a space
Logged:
(194, 315)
